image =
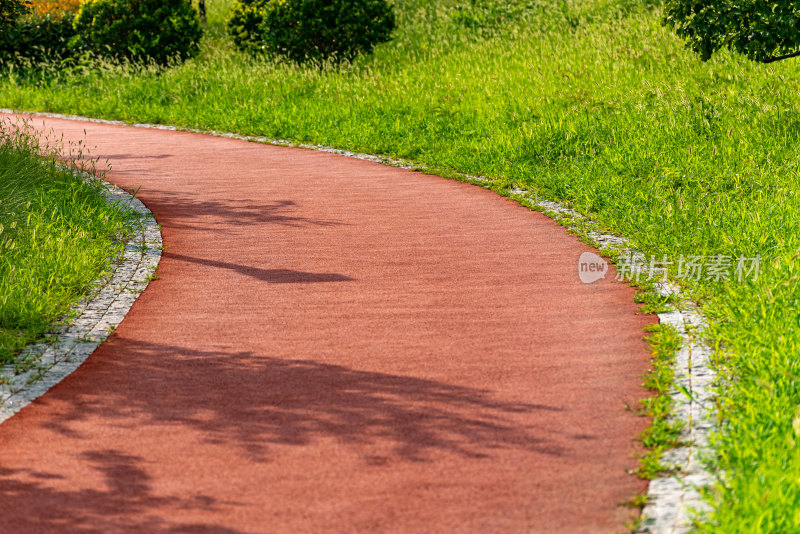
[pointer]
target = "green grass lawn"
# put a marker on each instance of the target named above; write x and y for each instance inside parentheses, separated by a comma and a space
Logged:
(57, 236)
(593, 103)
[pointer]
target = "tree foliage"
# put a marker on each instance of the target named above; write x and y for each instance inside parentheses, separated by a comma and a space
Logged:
(762, 30)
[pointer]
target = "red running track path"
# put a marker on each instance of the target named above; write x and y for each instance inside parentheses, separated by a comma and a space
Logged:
(335, 346)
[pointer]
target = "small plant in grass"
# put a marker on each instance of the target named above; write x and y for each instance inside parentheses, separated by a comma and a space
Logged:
(311, 30)
(138, 30)
(652, 302)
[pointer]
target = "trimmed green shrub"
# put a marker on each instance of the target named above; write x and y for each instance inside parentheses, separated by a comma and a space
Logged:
(762, 31)
(37, 38)
(138, 30)
(311, 30)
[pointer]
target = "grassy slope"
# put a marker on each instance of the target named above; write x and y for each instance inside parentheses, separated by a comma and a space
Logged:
(587, 104)
(56, 237)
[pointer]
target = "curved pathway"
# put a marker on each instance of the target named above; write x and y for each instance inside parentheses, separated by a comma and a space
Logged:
(335, 346)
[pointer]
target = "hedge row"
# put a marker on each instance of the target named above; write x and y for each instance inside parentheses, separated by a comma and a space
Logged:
(135, 30)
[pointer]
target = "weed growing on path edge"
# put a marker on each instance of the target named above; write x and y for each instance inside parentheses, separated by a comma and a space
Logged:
(663, 433)
(58, 236)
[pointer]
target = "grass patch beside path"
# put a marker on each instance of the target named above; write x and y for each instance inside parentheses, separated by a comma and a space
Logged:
(57, 236)
(592, 103)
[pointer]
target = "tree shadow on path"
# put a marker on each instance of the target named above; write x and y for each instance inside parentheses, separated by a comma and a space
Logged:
(31, 503)
(272, 276)
(185, 210)
(256, 403)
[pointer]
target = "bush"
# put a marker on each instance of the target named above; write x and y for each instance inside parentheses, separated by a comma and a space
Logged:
(762, 31)
(311, 30)
(138, 30)
(244, 25)
(11, 10)
(37, 38)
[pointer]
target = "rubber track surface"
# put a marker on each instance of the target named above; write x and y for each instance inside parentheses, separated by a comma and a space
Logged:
(333, 345)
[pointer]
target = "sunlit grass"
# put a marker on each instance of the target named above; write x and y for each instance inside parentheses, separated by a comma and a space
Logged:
(591, 103)
(57, 236)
